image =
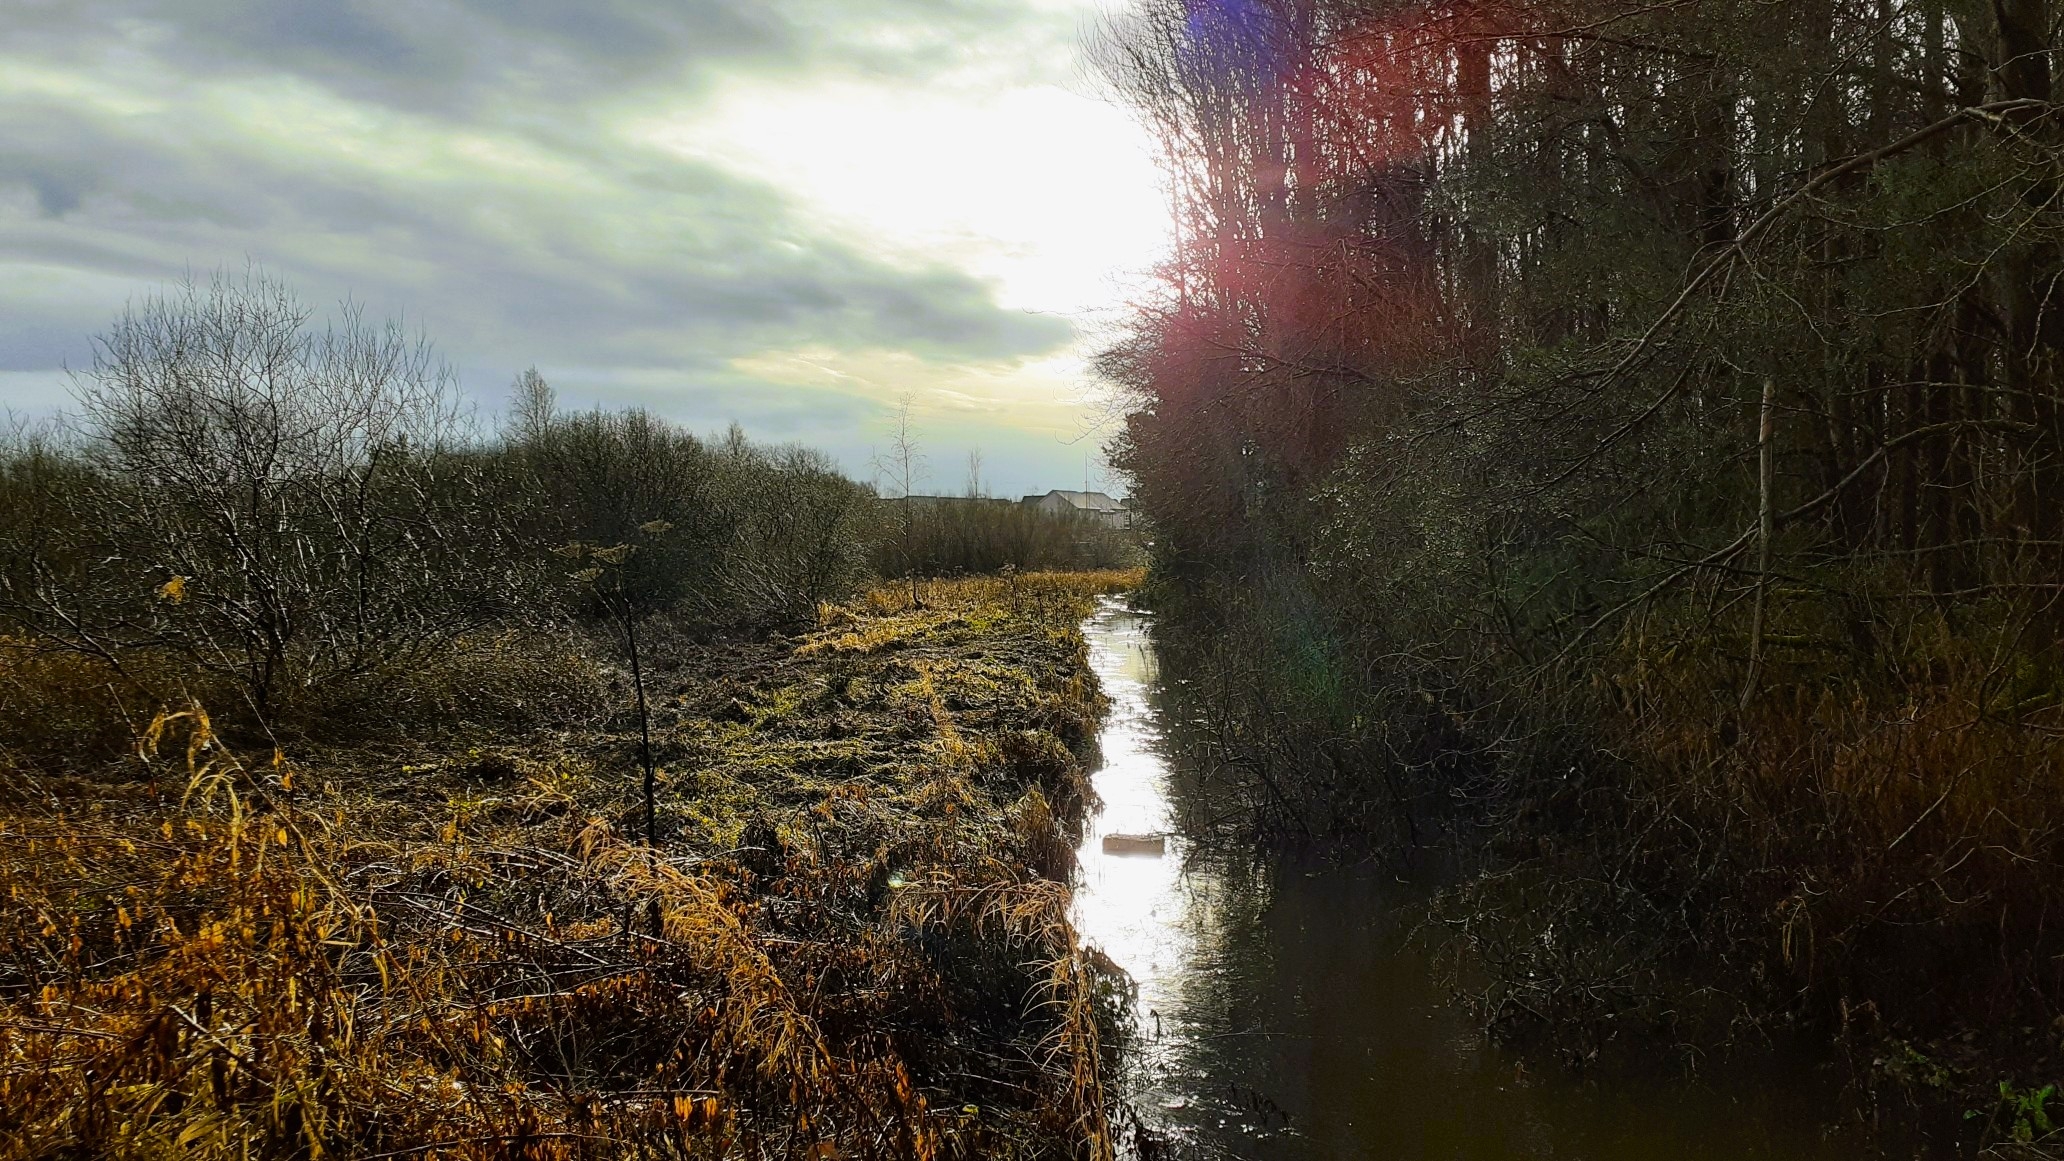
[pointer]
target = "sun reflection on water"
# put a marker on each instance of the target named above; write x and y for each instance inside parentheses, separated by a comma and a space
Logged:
(1293, 1010)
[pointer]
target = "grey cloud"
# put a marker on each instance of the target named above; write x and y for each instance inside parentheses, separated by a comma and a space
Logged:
(664, 266)
(714, 396)
(57, 183)
(485, 56)
(421, 54)
(56, 195)
(670, 262)
(41, 341)
(352, 31)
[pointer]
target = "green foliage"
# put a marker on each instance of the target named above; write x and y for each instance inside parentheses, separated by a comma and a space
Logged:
(2023, 1112)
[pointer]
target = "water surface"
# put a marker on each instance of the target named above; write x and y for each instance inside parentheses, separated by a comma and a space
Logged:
(1285, 1011)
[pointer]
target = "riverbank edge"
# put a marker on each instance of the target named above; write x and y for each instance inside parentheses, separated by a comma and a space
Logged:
(1573, 944)
(855, 918)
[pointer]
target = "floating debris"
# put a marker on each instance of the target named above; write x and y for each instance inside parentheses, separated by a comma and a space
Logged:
(1151, 846)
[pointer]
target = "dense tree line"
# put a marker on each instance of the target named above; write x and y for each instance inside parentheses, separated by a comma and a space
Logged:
(1668, 391)
(1561, 249)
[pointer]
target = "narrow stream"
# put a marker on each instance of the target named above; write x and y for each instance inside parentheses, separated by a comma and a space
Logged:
(1284, 1012)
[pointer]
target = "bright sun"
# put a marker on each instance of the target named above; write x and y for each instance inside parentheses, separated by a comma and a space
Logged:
(1049, 195)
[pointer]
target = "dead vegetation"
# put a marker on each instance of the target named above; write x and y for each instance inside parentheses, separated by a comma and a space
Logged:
(851, 941)
(1852, 867)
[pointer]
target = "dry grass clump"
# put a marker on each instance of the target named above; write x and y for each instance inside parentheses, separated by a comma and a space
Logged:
(61, 707)
(1902, 824)
(1872, 837)
(849, 943)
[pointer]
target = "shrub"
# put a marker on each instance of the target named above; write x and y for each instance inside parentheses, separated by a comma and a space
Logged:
(284, 508)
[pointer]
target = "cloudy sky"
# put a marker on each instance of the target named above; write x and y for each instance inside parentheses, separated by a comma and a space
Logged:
(789, 213)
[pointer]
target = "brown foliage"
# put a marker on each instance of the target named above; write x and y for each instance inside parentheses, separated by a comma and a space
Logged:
(825, 959)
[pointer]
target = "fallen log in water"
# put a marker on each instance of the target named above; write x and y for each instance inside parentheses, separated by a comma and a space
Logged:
(1149, 845)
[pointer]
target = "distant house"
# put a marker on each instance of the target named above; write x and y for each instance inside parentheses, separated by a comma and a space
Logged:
(1095, 505)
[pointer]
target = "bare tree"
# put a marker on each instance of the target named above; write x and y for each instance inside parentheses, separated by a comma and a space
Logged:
(976, 489)
(288, 507)
(531, 405)
(903, 464)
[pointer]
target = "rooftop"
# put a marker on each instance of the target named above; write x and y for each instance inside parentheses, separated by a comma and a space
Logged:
(1087, 501)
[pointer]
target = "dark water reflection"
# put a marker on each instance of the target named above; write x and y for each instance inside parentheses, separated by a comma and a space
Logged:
(1285, 1012)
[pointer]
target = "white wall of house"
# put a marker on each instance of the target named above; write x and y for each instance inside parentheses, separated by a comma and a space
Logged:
(1094, 505)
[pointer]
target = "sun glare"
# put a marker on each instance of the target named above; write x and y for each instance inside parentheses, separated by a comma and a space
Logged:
(1050, 196)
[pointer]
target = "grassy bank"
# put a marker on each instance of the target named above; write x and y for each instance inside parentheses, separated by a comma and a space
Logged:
(851, 939)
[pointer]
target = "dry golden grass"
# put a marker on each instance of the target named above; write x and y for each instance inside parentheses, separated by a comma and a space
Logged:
(457, 951)
(63, 709)
(1890, 832)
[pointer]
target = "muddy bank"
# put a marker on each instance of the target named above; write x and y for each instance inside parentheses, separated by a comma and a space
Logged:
(851, 939)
